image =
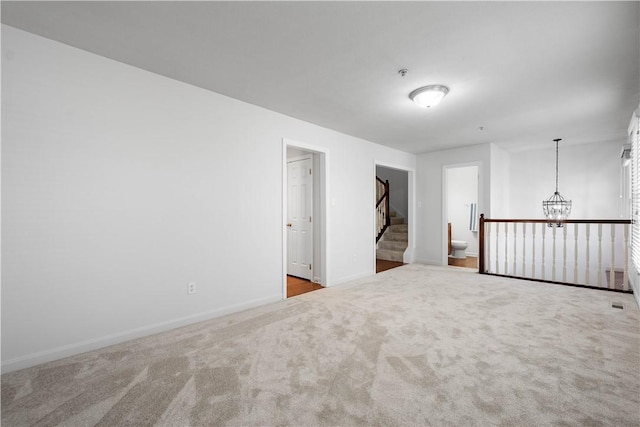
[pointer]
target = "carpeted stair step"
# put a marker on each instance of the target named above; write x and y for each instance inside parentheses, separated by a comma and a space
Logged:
(396, 220)
(394, 241)
(399, 228)
(392, 245)
(388, 255)
(395, 237)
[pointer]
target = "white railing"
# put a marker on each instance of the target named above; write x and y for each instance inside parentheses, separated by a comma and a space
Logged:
(591, 253)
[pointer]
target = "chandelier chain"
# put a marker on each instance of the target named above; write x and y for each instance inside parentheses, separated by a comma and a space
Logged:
(557, 140)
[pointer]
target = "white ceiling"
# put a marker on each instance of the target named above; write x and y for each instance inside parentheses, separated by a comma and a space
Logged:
(527, 72)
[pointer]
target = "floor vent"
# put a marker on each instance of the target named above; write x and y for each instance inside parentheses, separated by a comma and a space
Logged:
(617, 305)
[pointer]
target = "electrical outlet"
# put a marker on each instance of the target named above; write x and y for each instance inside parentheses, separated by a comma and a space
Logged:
(191, 288)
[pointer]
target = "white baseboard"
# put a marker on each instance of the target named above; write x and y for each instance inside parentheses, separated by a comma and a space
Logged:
(117, 338)
(352, 277)
(409, 256)
(429, 261)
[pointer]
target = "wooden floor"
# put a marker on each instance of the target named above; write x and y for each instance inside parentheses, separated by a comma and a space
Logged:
(298, 286)
(383, 265)
(469, 262)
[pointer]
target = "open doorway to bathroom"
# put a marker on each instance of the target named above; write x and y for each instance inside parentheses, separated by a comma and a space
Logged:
(461, 215)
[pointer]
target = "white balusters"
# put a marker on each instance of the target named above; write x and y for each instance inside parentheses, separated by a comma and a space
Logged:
(599, 255)
(533, 250)
(497, 241)
(625, 275)
(569, 263)
(381, 218)
(515, 258)
(506, 233)
(564, 252)
(553, 258)
(575, 253)
(588, 236)
(612, 271)
(487, 266)
(544, 232)
(524, 234)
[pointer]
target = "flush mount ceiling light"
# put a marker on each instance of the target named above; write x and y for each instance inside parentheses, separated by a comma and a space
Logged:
(429, 96)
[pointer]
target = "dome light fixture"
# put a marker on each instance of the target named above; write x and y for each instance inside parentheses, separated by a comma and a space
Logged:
(429, 96)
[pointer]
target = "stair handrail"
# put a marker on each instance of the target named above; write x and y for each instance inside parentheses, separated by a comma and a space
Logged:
(383, 219)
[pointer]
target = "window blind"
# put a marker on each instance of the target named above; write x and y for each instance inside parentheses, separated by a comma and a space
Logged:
(635, 190)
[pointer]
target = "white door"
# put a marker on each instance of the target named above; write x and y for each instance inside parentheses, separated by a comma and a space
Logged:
(299, 225)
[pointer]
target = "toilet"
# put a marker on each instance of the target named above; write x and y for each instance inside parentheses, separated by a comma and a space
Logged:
(458, 249)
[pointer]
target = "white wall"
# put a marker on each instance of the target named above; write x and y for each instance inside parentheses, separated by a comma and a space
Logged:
(120, 186)
(462, 190)
(500, 161)
(431, 233)
(589, 175)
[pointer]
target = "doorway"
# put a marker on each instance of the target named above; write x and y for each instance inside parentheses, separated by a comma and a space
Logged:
(299, 216)
(395, 245)
(304, 217)
(461, 214)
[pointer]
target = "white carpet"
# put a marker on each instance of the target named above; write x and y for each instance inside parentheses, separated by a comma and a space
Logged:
(416, 345)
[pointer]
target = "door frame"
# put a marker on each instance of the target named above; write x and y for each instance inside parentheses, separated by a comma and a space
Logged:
(311, 158)
(409, 254)
(320, 272)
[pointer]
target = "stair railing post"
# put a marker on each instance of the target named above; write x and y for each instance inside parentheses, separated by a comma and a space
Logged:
(386, 196)
(382, 212)
(481, 268)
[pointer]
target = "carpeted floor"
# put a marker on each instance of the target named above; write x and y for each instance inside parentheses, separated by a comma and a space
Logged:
(416, 345)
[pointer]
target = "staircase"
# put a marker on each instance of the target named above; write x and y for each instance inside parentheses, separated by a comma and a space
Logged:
(394, 241)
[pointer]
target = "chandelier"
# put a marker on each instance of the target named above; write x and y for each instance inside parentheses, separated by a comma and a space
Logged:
(556, 208)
